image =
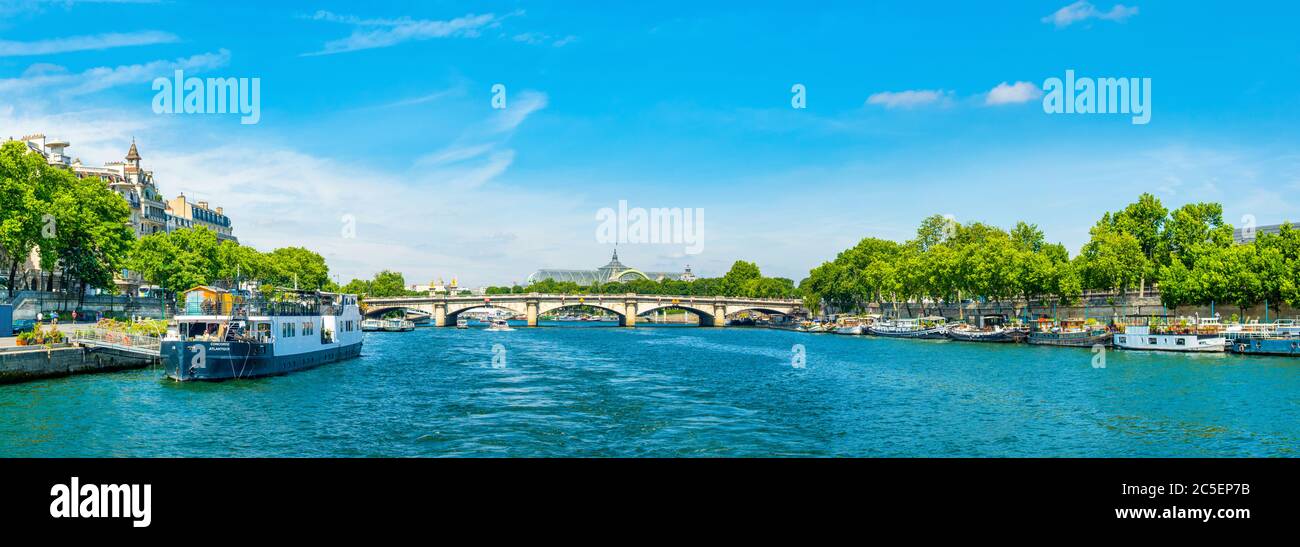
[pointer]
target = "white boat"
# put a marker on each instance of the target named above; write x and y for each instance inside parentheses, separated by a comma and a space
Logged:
(372, 325)
(1185, 334)
(499, 325)
(222, 335)
(925, 327)
(398, 325)
(462, 323)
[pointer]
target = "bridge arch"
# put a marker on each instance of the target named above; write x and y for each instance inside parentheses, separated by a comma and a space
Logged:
(704, 312)
(453, 312)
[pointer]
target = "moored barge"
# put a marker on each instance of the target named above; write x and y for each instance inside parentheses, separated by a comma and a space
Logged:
(222, 335)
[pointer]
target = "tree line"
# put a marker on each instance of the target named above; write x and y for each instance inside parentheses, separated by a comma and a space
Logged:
(1188, 253)
(744, 279)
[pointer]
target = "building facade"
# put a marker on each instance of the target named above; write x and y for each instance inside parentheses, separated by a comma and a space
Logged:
(182, 213)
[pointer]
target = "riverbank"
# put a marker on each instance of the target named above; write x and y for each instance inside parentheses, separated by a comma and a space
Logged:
(28, 363)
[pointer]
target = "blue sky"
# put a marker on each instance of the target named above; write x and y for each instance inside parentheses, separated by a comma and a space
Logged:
(382, 113)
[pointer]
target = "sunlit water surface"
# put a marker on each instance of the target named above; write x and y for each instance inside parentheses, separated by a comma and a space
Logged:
(599, 390)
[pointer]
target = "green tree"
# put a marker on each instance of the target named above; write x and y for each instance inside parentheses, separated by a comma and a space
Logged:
(741, 272)
(387, 283)
(91, 238)
(290, 265)
(21, 175)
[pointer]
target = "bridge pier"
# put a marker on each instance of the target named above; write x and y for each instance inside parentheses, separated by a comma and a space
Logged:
(530, 313)
(439, 314)
(629, 314)
(719, 316)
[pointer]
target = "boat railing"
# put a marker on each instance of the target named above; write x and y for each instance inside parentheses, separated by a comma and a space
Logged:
(244, 307)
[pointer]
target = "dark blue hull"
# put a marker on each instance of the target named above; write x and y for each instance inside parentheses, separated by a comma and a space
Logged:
(1265, 346)
(185, 361)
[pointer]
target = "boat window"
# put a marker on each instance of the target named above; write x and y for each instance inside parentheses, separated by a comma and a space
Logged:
(1182, 341)
(1122, 340)
(1151, 341)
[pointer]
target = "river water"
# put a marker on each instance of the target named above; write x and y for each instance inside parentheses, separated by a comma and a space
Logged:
(598, 390)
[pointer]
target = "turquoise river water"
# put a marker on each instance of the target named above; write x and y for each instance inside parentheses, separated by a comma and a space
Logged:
(587, 390)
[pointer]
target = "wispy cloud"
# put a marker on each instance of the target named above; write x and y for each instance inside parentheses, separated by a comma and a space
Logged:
(1019, 92)
(9, 48)
(909, 98)
(20, 7)
(1084, 10)
(537, 38)
(377, 33)
(46, 76)
(519, 108)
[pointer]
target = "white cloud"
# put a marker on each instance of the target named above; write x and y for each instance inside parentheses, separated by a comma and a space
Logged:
(9, 48)
(44, 76)
(908, 99)
(518, 108)
(1084, 10)
(1019, 92)
(377, 33)
(536, 38)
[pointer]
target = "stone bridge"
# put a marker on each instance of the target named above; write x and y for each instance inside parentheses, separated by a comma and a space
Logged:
(712, 310)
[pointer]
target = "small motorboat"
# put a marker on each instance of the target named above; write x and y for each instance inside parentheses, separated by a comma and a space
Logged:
(499, 325)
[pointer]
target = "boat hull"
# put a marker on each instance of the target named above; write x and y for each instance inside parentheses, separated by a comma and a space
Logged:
(1265, 346)
(1074, 340)
(1000, 337)
(849, 330)
(237, 360)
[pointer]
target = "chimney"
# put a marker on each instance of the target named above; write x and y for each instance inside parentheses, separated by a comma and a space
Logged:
(203, 205)
(219, 211)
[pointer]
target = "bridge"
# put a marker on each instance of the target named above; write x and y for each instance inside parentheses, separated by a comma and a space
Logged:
(712, 310)
(135, 344)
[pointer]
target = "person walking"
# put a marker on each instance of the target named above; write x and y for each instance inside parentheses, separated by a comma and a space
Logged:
(40, 317)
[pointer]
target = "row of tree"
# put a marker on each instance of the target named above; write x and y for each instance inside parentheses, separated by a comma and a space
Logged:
(195, 256)
(1189, 253)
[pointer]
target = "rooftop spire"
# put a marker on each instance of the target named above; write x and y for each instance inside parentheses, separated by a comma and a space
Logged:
(133, 154)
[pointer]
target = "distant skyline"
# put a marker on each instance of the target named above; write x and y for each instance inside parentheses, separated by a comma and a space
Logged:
(383, 114)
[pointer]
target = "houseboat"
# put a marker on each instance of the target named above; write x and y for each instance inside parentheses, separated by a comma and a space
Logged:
(1200, 334)
(999, 334)
(1278, 338)
(372, 325)
(924, 327)
(221, 335)
(853, 325)
(1069, 332)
